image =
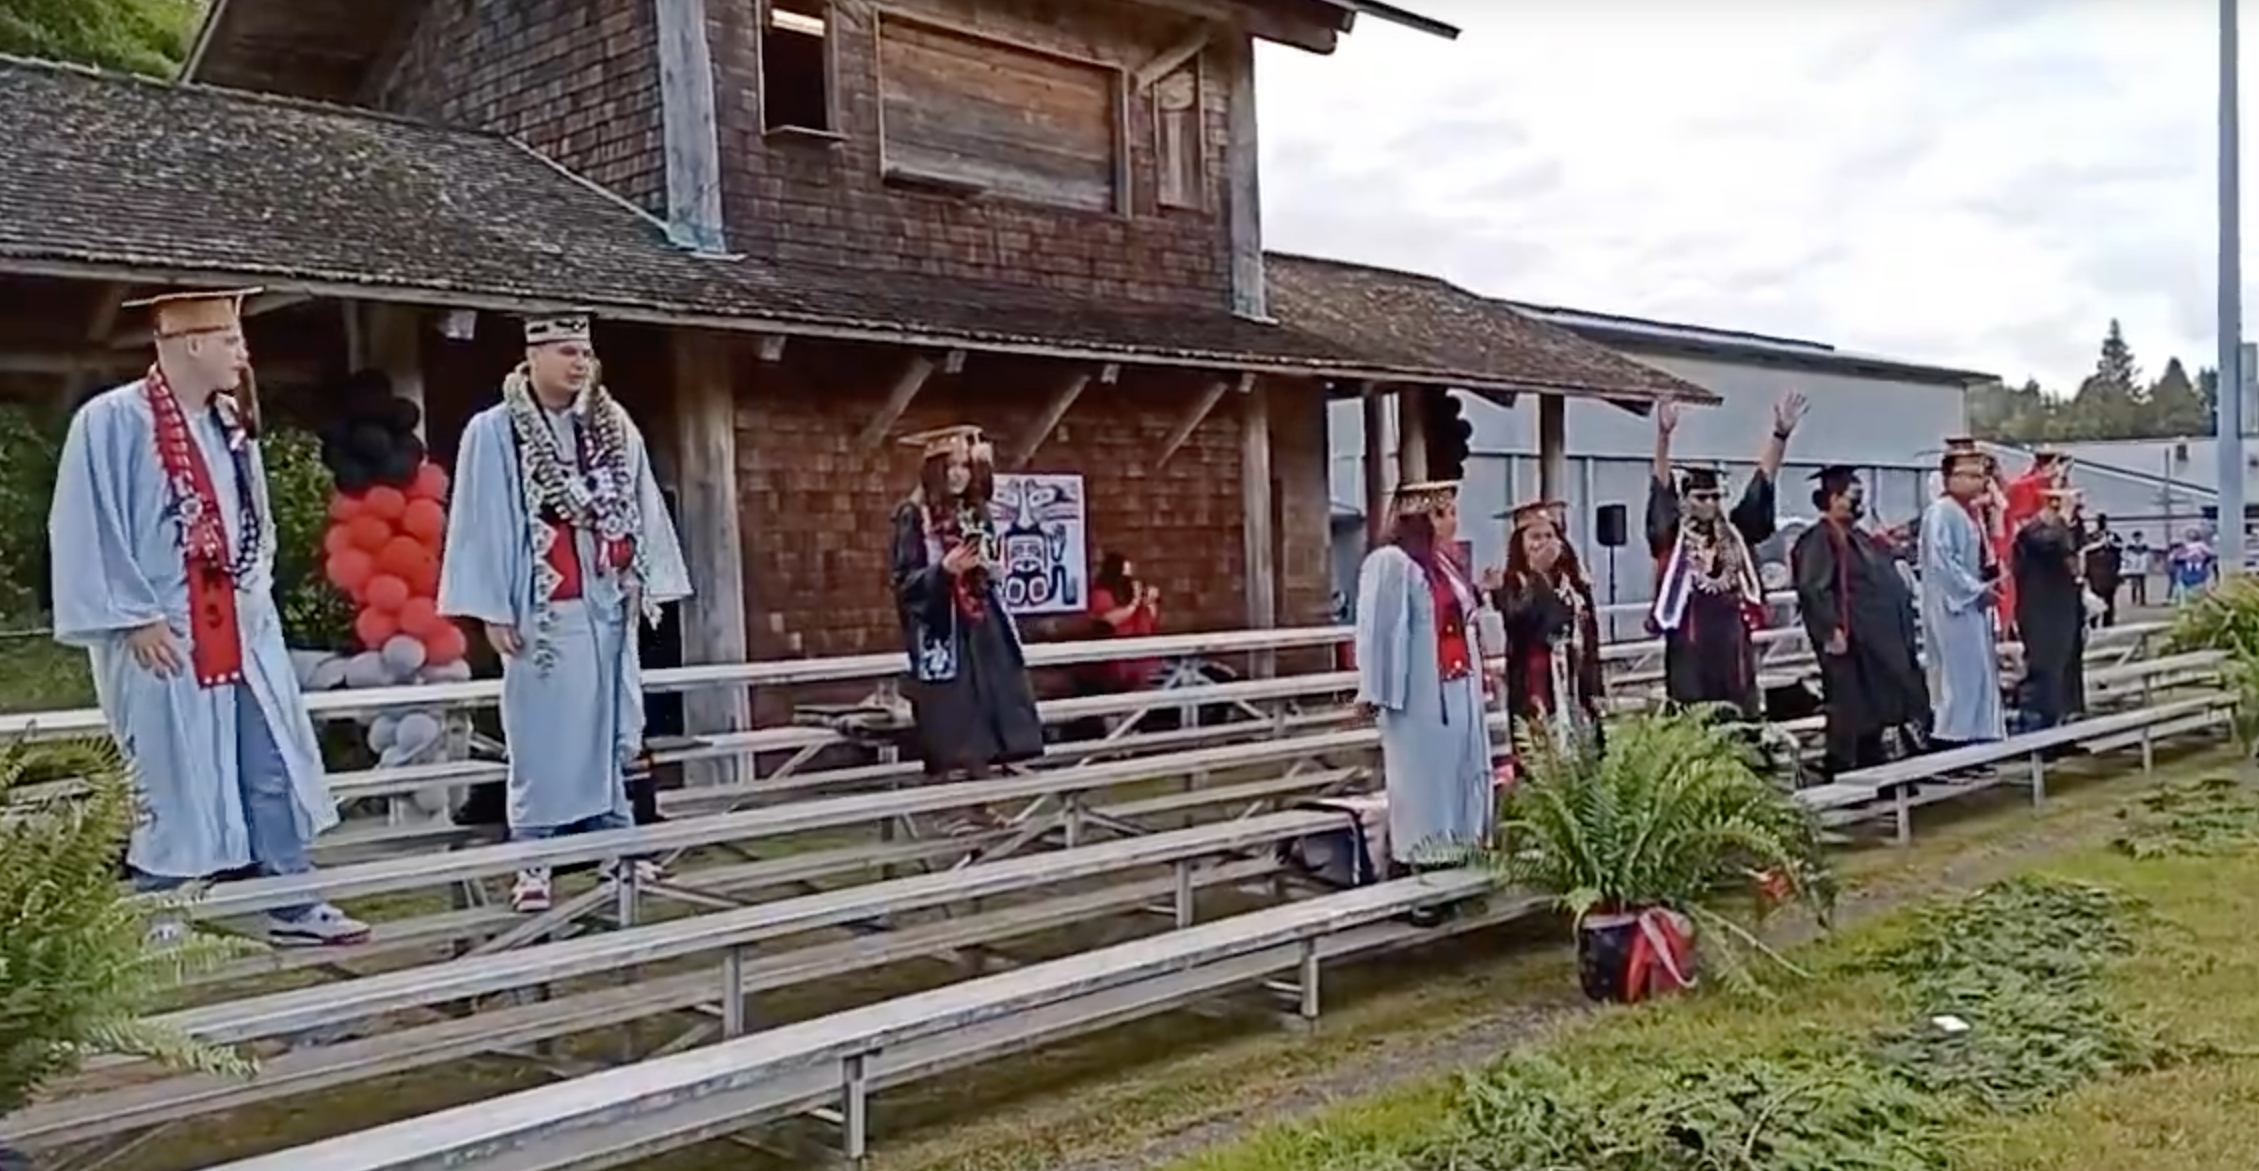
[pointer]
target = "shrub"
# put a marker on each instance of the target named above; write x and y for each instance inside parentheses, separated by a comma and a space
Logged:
(2226, 618)
(76, 967)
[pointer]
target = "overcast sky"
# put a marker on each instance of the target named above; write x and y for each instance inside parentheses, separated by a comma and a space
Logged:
(1969, 182)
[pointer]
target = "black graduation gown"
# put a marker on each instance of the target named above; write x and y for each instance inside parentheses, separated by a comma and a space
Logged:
(1537, 616)
(2051, 616)
(1846, 580)
(1710, 658)
(968, 685)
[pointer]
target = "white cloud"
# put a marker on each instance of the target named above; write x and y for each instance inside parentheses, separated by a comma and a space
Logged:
(1970, 182)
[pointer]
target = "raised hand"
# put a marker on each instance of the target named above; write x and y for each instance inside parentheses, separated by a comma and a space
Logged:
(1667, 416)
(1789, 411)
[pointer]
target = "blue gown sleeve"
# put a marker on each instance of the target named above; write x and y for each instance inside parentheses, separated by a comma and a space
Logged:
(662, 547)
(478, 570)
(1946, 549)
(1384, 629)
(99, 587)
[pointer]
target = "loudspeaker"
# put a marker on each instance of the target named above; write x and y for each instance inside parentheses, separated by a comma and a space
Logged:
(1608, 526)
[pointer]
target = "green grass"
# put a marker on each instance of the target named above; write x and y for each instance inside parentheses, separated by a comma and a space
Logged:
(2196, 979)
(39, 674)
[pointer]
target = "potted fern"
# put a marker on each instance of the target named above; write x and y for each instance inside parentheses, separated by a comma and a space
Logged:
(1633, 839)
(78, 966)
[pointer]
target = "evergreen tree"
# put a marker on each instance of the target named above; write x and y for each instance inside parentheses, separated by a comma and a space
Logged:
(139, 36)
(2108, 404)
(2175, 407)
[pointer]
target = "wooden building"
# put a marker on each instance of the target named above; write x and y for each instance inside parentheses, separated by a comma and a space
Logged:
(805, 226)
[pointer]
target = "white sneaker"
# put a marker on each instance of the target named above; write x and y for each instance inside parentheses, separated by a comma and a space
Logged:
(322, 926)
(166, 930)
(646, 871)
(531, 893)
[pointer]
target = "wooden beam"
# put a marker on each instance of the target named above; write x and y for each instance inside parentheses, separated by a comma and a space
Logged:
(393, 344)
(1411, 434)
(1258, 538)
(1061, 402)
(772, 347)
(1375, 407)
(713, 549)
(1311, 36)
(690, 127)
(1192, 420)
(1243, 194)
(1172, 59)
(906, 387)
(1552, 447)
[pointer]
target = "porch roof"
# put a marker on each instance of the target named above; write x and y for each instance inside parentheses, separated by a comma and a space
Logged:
(125, 179)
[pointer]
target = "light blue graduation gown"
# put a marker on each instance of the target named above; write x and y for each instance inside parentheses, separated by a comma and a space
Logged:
(572, 729)
(1957, 627)
(1435, 743)
(118, 566)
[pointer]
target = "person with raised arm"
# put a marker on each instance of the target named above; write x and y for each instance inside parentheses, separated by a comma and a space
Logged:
(1420, 678)
(162, 538)
(1859, 616)
(559, 543)
(1708, 597)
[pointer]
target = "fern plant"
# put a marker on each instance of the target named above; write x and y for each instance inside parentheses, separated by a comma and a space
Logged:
(77, 965)
(1670, 813)
(2226, 618)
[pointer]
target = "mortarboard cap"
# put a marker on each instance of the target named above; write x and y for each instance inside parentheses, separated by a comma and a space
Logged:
(1835, 477)
(1961, 445)
(1424, 496)
(197, 311)
(1699, 480)
(557, 327)
(1528, 514)
(950, 440)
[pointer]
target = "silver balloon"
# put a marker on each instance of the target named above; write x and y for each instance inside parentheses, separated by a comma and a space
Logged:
(458, 671)
(329, 676)
(416, 732)
(403, 656)
(383, 732)
(366, 670)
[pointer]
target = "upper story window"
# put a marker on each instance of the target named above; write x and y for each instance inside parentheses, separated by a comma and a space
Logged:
(968, 112)
(1180, 138)
(796, 66)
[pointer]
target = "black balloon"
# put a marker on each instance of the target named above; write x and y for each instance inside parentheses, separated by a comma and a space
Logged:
(371, 440)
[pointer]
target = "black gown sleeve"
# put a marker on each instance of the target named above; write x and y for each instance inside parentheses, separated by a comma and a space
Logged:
(1818, 596)
(921, 589)
(1662, 517)
(1754, 515)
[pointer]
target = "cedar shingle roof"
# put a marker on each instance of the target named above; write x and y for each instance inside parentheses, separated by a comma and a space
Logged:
(118, 178)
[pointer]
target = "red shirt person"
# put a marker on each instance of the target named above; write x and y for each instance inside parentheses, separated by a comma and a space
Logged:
(1124, 607)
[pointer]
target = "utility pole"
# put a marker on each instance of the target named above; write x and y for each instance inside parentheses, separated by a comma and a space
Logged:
(2228, 433)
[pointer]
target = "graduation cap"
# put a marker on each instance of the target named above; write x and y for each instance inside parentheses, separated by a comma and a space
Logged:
(1700, 480)
(197, 311)
(951, 440)
(1525, 515)
(1956, 458)
(557, 327)
(2042, 457)
(1424, 496)
(1835, 477)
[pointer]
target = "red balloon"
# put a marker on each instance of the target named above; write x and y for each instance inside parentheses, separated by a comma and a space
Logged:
(369, 532)
(424, 582)
(424, 520)
(403, 557)
(373, 626)
(385, 592)
(445, 645)
(349, 570)
(430, 483)
(385, 501)
(343, 507)
(419, 617)
(336, 539)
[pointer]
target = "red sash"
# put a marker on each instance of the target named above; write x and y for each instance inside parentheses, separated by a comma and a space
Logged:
(1451, 655)
(215, 637)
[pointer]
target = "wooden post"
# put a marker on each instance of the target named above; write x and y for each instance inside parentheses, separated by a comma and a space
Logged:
(1411, 435)
(690, 129)
(1552, 447)
(1376, 465)
(1243, 196)
(1256, 536)
(713, 618)
(392, 343)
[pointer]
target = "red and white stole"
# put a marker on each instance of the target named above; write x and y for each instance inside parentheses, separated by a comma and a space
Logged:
(215, 638)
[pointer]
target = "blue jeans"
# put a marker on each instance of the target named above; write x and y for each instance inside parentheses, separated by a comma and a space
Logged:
(270, 808)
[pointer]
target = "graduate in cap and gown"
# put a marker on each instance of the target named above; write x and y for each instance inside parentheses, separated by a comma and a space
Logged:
(1860, 618)
(559, 543)
(1960, 588)
(1419, 674)
(1708, 596)
(969, 692)
(2051, 611)
(1552, 649)
(162, 538)
(2022, 499)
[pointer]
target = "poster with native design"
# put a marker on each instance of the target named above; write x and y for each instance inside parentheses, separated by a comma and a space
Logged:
(1042, 528)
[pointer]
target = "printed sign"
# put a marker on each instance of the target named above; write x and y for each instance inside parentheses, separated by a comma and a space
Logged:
(1043, 528)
